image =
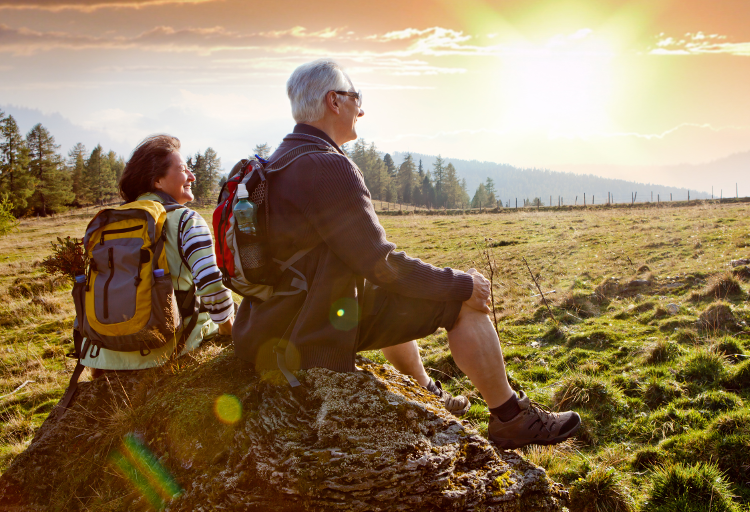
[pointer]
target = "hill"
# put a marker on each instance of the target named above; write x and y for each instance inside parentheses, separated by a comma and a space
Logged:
(513, 182)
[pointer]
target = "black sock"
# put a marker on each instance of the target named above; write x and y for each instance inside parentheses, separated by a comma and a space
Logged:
(432, 388)
(508, 410)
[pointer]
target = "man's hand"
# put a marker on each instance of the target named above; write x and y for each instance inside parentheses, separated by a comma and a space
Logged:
(480, 296)
(225, 329)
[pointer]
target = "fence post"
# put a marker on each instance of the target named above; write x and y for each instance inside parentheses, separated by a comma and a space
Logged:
(516, 203)
(584, 199)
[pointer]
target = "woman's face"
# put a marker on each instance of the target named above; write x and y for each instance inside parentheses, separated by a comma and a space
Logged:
(178, 180)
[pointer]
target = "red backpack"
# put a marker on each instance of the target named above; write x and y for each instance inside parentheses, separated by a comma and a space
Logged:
(246, 266)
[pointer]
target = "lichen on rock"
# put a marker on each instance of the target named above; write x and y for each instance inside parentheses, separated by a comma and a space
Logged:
(362, 441)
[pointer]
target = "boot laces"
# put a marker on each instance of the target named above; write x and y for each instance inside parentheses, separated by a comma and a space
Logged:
(544, 414)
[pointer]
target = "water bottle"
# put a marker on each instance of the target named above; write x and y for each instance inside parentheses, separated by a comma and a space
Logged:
(80, 279)
(245, 212)
(159, 272)
(252, 251)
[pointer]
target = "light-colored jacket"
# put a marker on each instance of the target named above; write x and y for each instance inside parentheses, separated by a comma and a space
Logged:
(195, 240)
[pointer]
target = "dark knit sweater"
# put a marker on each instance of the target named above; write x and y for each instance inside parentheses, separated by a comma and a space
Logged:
(321, 201)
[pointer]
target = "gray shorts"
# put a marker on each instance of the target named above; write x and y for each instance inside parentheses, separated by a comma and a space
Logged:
(391, 319)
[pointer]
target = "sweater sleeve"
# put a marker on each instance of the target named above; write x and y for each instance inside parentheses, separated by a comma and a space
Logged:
(343, 215)
(198, 249)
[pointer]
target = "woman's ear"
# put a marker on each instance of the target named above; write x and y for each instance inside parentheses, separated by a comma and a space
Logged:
(157, 184)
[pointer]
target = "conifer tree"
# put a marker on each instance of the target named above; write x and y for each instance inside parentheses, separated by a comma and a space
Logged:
(117, 165)
(197, 165)
(489, 186)
(77, 169)
(390, 165)
(99, 176)
(439, 174)
(15, 180)
(208, 168)
(53, 191)
(480, 197)
(262, 150)
(428, 191)
(406, 179)
(451, 187)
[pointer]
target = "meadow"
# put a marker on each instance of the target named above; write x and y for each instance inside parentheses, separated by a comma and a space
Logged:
(645, 335)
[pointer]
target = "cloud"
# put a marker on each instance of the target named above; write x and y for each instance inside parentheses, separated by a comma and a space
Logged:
(89, 6)
(697, 44)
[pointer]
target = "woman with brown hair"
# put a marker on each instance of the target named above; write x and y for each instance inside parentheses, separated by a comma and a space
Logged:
(157, 171)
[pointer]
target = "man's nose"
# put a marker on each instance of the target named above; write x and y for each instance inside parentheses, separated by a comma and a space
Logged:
(361, 113)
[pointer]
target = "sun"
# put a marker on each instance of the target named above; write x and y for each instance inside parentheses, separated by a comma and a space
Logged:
(567, 92)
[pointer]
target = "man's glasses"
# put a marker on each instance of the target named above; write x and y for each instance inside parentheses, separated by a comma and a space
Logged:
(356, 95)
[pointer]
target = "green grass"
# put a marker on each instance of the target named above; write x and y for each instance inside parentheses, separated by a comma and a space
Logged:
(654, 384)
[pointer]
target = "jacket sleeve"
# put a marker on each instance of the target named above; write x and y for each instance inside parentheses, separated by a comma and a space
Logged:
(343, 215)
(198, 250)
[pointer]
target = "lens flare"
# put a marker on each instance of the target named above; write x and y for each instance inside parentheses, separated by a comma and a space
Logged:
(344, 314)
(145, 472)
(228, 409)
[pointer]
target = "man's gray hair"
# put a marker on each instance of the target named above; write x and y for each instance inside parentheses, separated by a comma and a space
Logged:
(308, 85)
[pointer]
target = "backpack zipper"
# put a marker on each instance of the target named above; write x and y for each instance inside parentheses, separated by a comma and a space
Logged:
(115, 231)
(105, 306)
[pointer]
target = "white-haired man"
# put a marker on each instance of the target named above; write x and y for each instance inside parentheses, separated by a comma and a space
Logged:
(361, 293)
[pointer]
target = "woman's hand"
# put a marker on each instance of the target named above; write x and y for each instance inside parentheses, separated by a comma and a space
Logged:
(225, 329)
(480, 296)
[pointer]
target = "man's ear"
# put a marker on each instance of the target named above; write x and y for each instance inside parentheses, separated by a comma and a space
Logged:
(333, 102)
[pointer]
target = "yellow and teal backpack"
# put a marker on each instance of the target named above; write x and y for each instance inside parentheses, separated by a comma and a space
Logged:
(126, 302)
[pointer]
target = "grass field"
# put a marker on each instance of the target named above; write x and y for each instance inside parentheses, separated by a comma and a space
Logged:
(646, 337)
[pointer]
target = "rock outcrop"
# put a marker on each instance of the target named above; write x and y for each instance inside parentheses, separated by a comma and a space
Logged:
(218, 436)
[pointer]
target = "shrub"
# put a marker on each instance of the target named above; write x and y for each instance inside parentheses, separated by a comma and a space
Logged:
(68, 258)
(704, 366)
(739, 376)
(589, 392)
(696, 488)
(713, 401)
(657, 392)
(8, 222)
(717, 316)
(662, 351)
(601, 490)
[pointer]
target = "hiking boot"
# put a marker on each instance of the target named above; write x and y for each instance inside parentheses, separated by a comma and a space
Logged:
(456, 405)
(533, 425)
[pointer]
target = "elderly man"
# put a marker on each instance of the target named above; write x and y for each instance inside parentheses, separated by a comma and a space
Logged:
(361, 293)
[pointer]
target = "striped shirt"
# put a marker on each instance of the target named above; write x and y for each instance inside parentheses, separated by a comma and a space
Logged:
(198, 251)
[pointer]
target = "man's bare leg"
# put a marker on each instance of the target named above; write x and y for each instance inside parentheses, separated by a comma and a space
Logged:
(405, 358)
(476, 350)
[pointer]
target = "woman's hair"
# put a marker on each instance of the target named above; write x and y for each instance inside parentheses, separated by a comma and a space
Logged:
(148, 163)
(308, 85)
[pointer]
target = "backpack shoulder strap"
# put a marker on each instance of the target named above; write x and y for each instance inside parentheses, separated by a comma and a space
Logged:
(298, 152)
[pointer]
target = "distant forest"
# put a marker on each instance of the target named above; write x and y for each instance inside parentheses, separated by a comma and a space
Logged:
(513, 183)
(36, 179)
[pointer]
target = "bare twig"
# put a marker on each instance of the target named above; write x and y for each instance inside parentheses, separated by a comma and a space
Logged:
(491, 266)
(544, 299)
(19, 388)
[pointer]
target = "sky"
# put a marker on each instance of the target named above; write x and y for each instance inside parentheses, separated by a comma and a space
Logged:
(585, 85)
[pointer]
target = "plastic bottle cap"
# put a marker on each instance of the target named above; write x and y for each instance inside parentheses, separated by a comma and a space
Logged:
(241, 191)
(159, 272)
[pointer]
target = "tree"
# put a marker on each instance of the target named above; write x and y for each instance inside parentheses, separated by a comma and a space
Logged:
(480, 197)
(439, 174)
(53, 191)
(451, 187)
(77, 169)
(406, 179)
(207, 170)
(428, 191)
(489, 186)
(100, 178)
(15, 180)
(262, 150)
(117, 165)
(390, 165)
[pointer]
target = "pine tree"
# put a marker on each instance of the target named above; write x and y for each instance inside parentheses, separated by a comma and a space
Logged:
(77, 169)
(390, 165)
(451, 187)
(262, 150)
(489, 186)
(428, 191)
(99, 176)
(117, 165)
(439, 168)
(197, 165)
(53, 191)
(480, 197)
(210, 170)
(406, 179)
(15, 180)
